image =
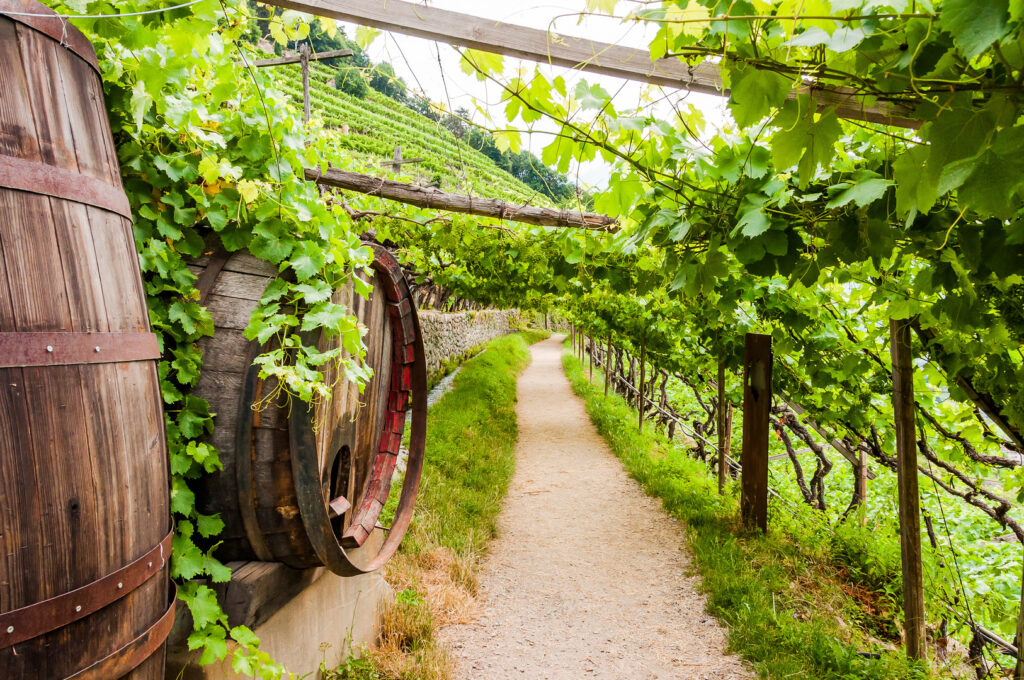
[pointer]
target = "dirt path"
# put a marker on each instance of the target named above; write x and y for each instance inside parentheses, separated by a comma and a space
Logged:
(588, 577)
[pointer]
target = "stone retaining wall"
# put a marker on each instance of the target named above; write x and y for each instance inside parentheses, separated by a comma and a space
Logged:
(449, 335)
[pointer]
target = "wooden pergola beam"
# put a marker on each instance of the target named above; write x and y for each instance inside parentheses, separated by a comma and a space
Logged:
(578, 53)
(429, 197)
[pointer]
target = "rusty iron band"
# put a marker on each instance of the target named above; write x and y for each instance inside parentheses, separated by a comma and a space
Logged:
(42, 617)
(124, 660)
(49, 180)
(67, 349)
(53, 27)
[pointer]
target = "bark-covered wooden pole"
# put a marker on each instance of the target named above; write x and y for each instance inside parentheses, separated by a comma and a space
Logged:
(640, 393)
(304, 56)
(607, 366)
(590, 339)
(723, 425)
(906, 479)
(1018, 671)
(433, 198)
(757, 403)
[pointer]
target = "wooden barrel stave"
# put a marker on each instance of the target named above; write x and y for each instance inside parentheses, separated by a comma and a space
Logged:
(83, 487)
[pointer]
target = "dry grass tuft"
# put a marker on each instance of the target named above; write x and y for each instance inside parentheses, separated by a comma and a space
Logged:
(429, 661)
(406, 622)
(446, 580)
(435, 588)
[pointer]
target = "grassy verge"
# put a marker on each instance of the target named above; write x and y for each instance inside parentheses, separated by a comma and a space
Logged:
(789, 612)
(470, 456)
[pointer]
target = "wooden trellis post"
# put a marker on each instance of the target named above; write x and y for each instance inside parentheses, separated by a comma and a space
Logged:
(1018, 671)
(607, 366)
(397, 161)
(303, 58)
(640, 392)
(724, 427)
(590, 339)
(906, 473)
(757, 403)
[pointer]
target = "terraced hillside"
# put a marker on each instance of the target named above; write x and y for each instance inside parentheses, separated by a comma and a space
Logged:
(377, 124)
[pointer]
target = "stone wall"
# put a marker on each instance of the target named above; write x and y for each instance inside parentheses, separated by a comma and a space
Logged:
(449, 335)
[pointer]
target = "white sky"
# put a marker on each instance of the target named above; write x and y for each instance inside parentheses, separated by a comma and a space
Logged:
(417, 61)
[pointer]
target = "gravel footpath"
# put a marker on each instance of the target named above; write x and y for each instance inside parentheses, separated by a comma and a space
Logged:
(589, 577)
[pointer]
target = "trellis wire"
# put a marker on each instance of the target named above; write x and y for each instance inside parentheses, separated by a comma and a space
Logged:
(105, 16)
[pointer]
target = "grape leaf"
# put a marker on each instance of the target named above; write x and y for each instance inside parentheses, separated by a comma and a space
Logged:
(974, 24)
(754, 92)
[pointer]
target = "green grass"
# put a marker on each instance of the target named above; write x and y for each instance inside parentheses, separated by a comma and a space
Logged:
(781, 598)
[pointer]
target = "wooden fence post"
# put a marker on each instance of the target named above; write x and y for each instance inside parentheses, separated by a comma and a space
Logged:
(607, 366)
(1018, 671)
(640, 392)
(757, 403)
(590, 339)
(723, 426)
(861, 481)
(906, 473)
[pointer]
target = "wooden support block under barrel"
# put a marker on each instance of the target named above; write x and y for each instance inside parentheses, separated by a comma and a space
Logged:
(304, 485)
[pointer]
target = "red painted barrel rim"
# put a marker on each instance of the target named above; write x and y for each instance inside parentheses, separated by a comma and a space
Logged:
(53, 26)
(406, 340)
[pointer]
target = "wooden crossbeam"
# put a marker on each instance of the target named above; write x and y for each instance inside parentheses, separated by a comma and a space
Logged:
(429, 197)
(297, 58)
(579, 53)
(397, 161)
(304, 56)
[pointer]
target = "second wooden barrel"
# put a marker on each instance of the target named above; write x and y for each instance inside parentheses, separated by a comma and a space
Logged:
(305, 485)
(84, 510)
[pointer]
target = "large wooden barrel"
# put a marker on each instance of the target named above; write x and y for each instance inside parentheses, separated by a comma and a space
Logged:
(84, 509)
(306, 485)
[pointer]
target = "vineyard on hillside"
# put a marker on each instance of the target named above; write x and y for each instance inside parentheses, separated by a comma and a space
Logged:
(377, 124)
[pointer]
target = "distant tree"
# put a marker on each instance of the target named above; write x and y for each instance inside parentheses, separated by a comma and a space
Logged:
(351, 81)
(422, 106)
(456, 124)
(384, 80)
